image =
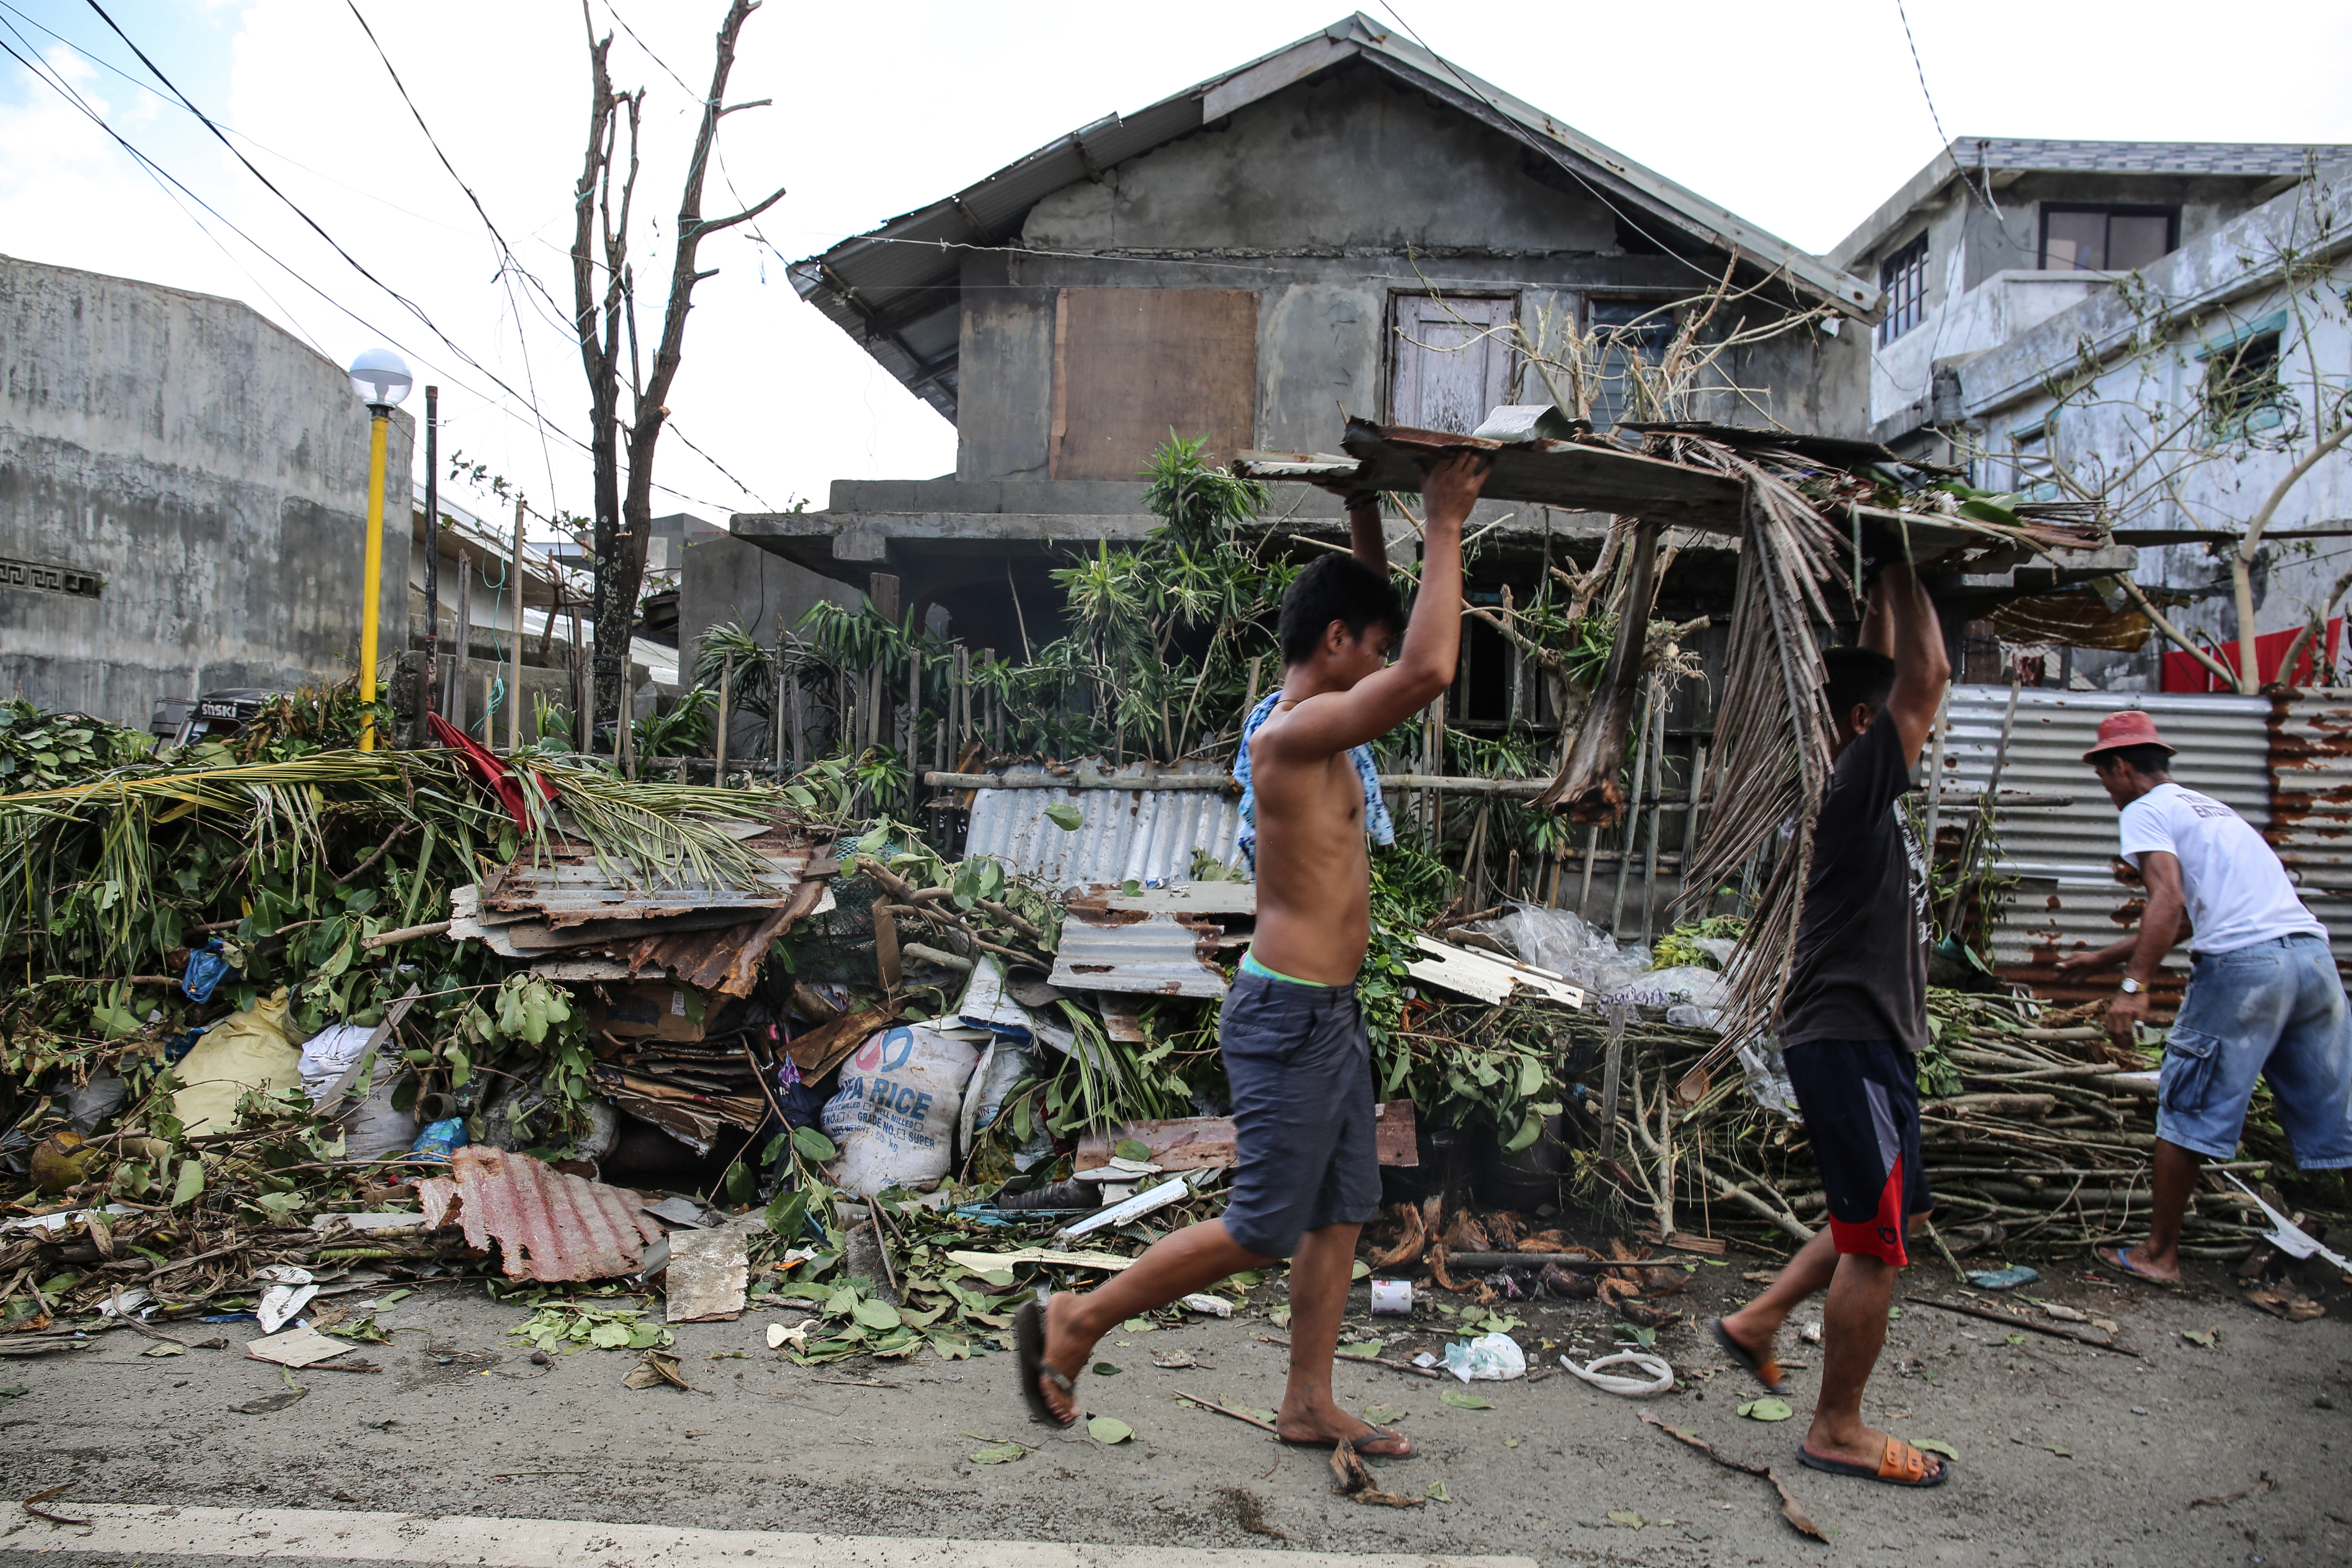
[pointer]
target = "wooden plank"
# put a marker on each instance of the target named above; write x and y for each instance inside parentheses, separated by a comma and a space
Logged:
(821, 1049)
(1131, 364)
(1208, 1142)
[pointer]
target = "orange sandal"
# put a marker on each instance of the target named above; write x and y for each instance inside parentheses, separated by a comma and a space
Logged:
(1767, 1371)
(1900, 1466)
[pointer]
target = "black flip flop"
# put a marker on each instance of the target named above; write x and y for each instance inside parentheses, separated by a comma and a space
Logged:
(1379, 1435)
(1029, 1341)
(1811, 1460)
(1746, 1357)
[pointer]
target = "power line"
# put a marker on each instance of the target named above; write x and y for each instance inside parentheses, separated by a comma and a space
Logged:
(1937, 119)
(157, 170)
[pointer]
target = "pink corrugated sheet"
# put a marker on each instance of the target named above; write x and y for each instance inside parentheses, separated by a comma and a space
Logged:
(549, 1226)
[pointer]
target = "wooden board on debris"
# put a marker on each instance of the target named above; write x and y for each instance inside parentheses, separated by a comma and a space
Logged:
(1488, 979)
(1207, 1143)
(659, 1012)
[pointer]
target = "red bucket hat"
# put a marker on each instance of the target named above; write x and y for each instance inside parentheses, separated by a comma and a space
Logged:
(2132, 727)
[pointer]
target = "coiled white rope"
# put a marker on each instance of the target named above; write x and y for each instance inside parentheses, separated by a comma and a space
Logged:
(1659, 1375)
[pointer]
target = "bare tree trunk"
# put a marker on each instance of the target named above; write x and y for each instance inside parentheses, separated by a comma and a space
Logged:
(623, 517)
(1586, 784)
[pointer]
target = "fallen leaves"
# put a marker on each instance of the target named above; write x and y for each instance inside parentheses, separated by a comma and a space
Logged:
(1354, 1478)
(1461, 1399)
(1767, 1409)
(1108, 1430)
(655, 1366)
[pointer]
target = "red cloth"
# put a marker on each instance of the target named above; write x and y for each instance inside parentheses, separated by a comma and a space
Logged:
(2183, 673)
(487, 766)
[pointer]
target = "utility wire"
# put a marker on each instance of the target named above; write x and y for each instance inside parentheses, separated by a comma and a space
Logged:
(1937, 119)
(158, 170)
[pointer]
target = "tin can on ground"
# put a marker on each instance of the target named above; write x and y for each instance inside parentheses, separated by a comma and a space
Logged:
(1393, 1298)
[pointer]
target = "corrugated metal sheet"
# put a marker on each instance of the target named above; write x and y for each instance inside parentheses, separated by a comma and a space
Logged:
(549, 1226)
(1145, 955)
(1126, 836)
(2071, 899)
(2311, 802)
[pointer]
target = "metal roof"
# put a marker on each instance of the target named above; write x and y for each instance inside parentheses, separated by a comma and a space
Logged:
(897, 289)
(550, 1225)
(1138, 835)
(2074, 901)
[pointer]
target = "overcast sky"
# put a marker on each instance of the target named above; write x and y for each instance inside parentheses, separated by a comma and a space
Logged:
(1802, 118)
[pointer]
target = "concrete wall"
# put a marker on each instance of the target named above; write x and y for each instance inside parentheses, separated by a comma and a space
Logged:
(1328, 199)
(208, 466)
(2146, 398)
(1985, 285)
(725, 580)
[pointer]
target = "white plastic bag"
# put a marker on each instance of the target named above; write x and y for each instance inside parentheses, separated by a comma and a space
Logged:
(1565, 944)
(374, 1130)
(1693, 984)
(894, 1117)
(1495, 1357)
(1004, 1065)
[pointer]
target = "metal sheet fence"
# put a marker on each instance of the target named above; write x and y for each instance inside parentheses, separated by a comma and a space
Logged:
(2070, 898)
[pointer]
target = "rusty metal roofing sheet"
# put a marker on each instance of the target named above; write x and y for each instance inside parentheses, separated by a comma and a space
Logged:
(1153, 954)
(568, 887)
(1125, 835)
(549, 1226)
(2071, 899)
(2311, 802)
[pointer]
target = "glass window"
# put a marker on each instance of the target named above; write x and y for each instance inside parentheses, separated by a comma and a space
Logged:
(1904, 275)
(2031, 475)
(1632, 335)
(2106, 238)
(2244, 395)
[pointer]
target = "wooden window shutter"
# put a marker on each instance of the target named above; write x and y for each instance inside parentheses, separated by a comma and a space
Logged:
(1453, 364)
(1132, 364)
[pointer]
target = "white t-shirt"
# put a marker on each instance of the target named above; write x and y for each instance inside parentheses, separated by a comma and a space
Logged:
(2238, 892)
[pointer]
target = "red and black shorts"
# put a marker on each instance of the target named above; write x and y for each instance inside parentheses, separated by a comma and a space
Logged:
(1860, 1103)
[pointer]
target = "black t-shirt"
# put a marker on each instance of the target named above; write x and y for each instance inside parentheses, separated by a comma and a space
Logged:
(1861, 966)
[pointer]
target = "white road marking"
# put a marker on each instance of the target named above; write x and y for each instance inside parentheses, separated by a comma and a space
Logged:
(259, 1535)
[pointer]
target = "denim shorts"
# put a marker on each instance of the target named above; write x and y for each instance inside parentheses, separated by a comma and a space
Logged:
(2274, 1010)
(1300, 1069)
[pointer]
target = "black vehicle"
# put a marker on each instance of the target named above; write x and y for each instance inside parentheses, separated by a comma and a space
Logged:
(181, 720)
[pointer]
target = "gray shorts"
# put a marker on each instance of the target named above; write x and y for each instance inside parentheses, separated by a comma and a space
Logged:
(1300, 1067)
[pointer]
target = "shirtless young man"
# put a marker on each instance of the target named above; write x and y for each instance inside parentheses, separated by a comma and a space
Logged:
(1294, 1044)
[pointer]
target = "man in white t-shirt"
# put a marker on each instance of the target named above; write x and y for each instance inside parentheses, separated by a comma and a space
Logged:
(2263, 997)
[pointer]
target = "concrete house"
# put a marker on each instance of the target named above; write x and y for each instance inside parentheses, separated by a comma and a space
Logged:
(183, 497)
(2159, 323)
(1348, 223)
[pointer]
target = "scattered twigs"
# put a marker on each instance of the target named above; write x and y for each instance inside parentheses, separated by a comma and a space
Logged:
(2028, 1324)
(32, 1505)
(1227, 1410)
(1791, 1509)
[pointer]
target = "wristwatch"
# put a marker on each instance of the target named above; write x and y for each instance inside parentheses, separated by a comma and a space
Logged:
(2131, 987)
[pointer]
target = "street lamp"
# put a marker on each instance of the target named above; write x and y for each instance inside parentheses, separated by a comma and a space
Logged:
(381, 378)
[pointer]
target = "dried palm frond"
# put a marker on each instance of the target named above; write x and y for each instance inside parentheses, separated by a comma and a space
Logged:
(1772, 732)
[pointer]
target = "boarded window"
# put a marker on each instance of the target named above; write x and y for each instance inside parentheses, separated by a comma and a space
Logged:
(1452, 361)
(1132, 364)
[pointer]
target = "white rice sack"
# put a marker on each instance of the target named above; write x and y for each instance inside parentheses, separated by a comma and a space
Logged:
(894, 1117)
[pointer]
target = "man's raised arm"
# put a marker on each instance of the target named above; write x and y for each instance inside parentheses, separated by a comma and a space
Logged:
(1901, 623)
(1329, 723)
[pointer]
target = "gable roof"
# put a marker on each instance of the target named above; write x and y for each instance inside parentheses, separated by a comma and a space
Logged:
(2000, 158)
(896, 288)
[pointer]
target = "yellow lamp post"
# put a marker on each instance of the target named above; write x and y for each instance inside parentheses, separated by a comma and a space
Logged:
(381, 378)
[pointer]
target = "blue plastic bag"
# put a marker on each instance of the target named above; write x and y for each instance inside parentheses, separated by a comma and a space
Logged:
(439, 1140)
(207, 967)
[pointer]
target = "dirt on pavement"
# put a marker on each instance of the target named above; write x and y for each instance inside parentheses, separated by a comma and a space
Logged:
(2066, 1455)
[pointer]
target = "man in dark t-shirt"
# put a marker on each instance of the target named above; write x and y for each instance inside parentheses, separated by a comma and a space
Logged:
(1853, 1017)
